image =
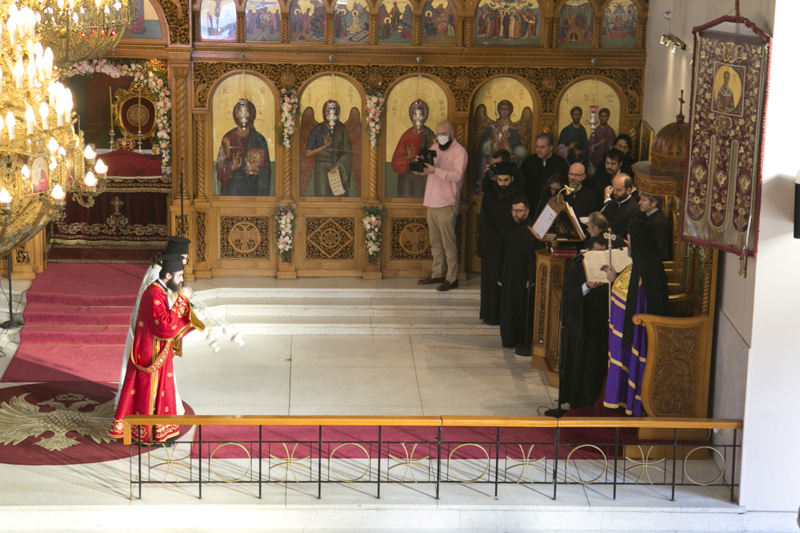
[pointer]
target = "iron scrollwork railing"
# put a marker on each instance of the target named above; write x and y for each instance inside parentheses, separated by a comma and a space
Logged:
(435, 451)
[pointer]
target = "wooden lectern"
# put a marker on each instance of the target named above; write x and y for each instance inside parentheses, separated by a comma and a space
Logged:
(558, 227)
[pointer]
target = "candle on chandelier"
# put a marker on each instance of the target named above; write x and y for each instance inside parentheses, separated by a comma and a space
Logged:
(90, 180)
(10, 123)
(30, 119)
(58, 193)
(12, 28)
(48, 63)
(44, 111)
(31, 71)
(100, 167)
(67, 105)
(5, 201)
(19, 72)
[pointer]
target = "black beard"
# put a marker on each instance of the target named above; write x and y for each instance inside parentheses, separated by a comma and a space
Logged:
(502, 192)
(446, 145)
(171, 285)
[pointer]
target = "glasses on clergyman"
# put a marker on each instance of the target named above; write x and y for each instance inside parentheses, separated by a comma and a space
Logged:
(519, 211)
(571, 175)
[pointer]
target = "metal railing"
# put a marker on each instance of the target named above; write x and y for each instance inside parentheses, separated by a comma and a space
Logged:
(439, 450)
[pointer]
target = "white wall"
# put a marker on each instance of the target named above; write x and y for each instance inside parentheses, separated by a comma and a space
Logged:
(758, 314)
(772, 404)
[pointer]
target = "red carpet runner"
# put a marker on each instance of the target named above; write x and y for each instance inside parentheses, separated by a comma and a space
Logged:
(76, 321)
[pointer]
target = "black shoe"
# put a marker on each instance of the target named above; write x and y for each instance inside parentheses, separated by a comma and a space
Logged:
(524, 351)
(429, 281)
(446, 286)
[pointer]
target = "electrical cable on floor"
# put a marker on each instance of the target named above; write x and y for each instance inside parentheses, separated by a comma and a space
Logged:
(5, 332)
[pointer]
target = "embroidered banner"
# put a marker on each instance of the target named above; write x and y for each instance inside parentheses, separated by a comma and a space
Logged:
(723, 178)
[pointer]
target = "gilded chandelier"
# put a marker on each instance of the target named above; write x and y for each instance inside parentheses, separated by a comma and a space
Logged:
(81, 29)
(42, 158)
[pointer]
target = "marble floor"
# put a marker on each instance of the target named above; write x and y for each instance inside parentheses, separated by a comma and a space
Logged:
(336, 374)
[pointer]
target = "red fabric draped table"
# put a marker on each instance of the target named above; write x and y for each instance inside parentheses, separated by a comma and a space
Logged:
(131, 213)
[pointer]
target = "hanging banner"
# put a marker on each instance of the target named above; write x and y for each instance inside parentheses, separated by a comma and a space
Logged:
(723, 176)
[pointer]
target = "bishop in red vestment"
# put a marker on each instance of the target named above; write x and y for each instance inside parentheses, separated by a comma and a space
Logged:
(149, 387)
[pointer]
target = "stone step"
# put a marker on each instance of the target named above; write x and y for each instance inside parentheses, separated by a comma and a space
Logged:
(243, 307)
(310, 311)
(428, 293)
(361, 326)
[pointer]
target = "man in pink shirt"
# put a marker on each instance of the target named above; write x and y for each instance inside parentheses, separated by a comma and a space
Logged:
(442, 194)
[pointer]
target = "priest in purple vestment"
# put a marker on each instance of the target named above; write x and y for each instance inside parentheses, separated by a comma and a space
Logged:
(640, 288)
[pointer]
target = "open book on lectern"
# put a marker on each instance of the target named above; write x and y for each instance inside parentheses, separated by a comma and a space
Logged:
(557, 222)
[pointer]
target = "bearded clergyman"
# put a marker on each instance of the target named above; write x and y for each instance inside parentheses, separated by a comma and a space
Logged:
(149, 387)
(495, 219)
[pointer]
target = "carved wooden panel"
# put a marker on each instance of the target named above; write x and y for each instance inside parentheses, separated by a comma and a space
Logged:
(541, 304)
(177, 14)
(673, 386)
(201, 237)
(177, 228)
(410, 239)
(244, 237)
(463, 80)
(330, 238)
(23, 257)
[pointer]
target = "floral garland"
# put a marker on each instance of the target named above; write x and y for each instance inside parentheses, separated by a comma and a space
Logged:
(150, 75)
(284, 216)
(372, 231)
(375, 106)
(289, 106)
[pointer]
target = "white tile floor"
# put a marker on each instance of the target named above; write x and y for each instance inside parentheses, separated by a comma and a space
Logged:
(353, 375)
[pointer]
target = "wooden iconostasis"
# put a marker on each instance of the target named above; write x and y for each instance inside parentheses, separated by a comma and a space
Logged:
(501, 72)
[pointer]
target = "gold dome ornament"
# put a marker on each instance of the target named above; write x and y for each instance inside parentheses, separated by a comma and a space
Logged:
(668, 151)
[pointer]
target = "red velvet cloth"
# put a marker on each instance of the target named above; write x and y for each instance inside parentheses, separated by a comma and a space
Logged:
(142, 218)
(125, 164)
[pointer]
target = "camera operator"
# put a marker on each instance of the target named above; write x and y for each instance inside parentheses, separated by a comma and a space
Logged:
(442, 194)
(490, 174)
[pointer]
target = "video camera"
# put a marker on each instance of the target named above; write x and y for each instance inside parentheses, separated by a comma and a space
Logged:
(425, 157)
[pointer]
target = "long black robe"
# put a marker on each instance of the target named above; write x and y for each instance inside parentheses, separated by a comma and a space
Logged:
(537, 172)
(663, 232)
(516, 264)
(584, 339)
(582, 201)
(495, 219)
(619, 215)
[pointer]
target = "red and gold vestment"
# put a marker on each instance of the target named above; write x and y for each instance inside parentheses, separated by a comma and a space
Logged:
(149, 387)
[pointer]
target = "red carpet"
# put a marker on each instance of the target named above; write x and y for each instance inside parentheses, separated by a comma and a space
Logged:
(100, 364)
(333, 436)
(100, 255)
(76, 323)
(62, 423)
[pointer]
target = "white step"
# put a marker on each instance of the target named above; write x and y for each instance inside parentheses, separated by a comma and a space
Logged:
(296, 311)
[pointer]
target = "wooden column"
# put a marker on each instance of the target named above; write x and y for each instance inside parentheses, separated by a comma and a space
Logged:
(200, 149)
(180, 129)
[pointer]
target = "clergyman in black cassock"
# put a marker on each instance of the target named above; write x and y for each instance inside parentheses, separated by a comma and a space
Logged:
(516, 264)
(584, 337)
(494, 221)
